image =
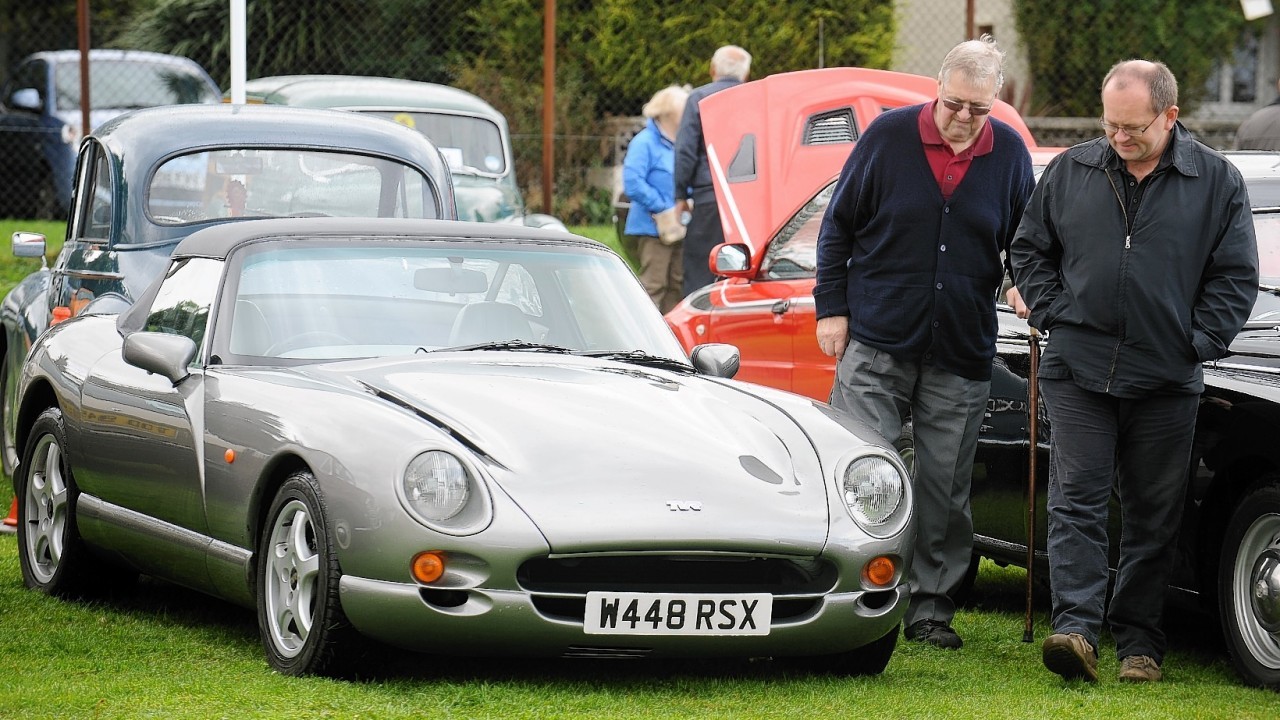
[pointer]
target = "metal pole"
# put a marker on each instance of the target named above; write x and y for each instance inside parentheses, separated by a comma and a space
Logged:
(82, 27)
(238, 52)
(1033, 413)
(548, 101)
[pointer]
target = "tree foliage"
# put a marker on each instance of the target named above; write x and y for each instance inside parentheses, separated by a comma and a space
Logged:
(629, 49)
(392, 38)
(1068, 42)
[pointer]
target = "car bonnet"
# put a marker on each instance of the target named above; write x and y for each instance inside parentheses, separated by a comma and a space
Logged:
(602, 454)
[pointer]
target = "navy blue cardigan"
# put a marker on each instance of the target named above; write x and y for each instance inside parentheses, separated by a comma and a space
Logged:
(917, 276)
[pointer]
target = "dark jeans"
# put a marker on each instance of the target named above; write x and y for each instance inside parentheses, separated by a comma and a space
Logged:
(1142, 447)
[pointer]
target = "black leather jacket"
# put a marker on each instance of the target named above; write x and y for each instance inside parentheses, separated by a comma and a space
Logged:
(1134, 297)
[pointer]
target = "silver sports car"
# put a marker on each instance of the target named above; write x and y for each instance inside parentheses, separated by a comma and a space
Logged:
(454, 438)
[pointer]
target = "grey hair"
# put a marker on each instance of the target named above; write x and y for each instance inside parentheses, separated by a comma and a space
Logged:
(1157, 76)
(667, 101)
(731, 61)
(980, 61)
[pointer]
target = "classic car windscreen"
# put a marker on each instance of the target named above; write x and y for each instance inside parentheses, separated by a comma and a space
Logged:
(285, 182)
(304, 299)
(469, 144)
(131, 84)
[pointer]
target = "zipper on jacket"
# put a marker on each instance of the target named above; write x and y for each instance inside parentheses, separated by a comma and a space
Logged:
(1128, 235)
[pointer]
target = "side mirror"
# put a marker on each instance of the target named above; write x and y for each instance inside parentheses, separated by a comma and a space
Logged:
(25, 99)
(28, 244)
(160, 353)
(716, 359)
(731, 260)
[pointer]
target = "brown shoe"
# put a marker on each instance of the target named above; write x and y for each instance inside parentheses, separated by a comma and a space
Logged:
(1070, 656)
(1140, 668)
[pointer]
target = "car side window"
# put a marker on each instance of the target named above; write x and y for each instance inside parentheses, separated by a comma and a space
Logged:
(30, 76)
(97, 225)
(181, 307)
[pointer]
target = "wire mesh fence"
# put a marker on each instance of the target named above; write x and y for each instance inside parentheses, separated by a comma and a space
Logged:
(610, 56)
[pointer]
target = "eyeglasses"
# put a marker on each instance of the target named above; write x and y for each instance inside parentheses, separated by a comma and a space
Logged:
(1132, 132)
(957, 106)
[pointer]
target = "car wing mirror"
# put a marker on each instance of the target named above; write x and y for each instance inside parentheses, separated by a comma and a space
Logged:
(26, 99)
(731, 260)
(164, 354)
(716, 359)
(28, 244)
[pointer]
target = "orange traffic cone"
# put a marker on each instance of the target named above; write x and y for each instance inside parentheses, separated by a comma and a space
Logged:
(10, 524)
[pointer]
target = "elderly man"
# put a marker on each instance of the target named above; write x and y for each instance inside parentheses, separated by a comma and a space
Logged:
(909, 263)
(730, 66)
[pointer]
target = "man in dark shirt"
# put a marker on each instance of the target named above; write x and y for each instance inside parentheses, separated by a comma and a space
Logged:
(909, 263)
(730, 66)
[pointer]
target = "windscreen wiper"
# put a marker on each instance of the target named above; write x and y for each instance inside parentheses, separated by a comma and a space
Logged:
(639, 357)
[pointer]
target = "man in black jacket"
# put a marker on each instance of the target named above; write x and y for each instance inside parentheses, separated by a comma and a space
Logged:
(730, 66)
(1137, 255)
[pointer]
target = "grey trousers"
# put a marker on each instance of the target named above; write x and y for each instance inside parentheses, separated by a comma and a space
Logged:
(946, 412)
(1142, 448)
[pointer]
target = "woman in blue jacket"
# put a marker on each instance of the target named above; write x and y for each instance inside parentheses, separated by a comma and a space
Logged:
(647, 178)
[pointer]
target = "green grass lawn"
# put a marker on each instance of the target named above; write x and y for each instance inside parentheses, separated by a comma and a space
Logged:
(164, 652)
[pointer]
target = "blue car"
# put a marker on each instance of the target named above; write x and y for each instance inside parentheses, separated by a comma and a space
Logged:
(40, 116)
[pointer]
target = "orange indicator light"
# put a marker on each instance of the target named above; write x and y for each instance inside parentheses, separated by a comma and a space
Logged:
(427, 567)
(879, 571)
(60, 313)
(229, 455)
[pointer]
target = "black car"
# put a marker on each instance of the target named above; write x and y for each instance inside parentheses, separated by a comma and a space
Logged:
(1228, 555)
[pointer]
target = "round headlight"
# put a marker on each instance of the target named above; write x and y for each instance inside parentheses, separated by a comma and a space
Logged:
(872, 489)
(437, 485)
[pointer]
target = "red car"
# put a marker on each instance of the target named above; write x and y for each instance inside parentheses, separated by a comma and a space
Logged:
(776, 148)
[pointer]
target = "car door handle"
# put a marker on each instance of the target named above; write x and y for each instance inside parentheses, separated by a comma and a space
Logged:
(780, 307)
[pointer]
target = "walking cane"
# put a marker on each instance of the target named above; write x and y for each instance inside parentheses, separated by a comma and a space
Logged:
(1033, 413)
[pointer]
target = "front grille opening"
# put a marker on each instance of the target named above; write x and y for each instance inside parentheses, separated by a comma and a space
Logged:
(677, 573)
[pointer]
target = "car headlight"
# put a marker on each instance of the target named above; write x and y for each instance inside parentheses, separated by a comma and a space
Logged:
(437, 485)
(872, 489)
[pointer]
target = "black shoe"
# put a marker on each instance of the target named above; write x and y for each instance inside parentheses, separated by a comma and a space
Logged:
(934, 632)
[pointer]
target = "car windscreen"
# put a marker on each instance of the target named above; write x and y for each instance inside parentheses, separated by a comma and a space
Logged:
(470, 144)
(307, 299)
(285, 182)
(132, 84)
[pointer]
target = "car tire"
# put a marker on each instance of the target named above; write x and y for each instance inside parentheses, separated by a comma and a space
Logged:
(1249, 585)
(53, 557)
(300, 616)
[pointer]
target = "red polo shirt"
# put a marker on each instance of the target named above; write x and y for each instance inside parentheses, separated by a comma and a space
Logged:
(948, 167)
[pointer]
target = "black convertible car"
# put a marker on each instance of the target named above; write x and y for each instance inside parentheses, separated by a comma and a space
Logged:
(1229, 549)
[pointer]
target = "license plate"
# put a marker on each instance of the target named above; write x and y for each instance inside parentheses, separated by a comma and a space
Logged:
(621, 613)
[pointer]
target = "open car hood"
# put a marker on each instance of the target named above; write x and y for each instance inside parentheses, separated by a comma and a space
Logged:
(774, 143)
(603, 455)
